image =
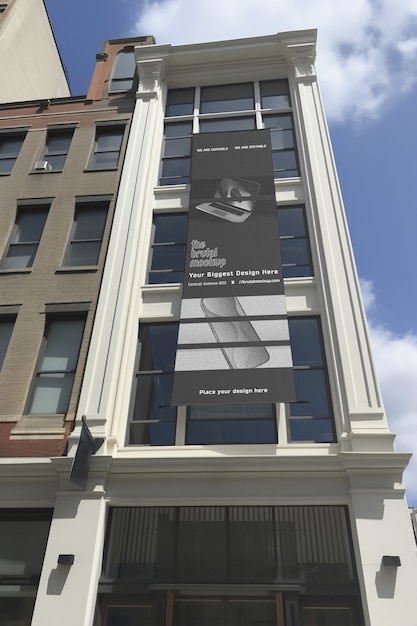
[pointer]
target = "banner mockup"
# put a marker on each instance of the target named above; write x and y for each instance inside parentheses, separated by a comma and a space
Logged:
(233, 340)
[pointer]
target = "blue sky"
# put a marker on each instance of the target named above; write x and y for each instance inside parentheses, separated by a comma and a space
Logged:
(367, 54)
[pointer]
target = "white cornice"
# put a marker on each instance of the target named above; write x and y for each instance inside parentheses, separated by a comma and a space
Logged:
(307, 461)
(249, 55)
(151, 74)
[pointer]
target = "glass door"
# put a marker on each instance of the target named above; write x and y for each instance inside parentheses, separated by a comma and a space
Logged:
(228, 611)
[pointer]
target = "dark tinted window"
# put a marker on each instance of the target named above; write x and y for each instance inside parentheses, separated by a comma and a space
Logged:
(123, 70)
(23, 537)
(231, 424)
(175, 168)
(153, 420)
(180, 102)
(284, 155)
(311, 417)
(25, 238)
(87, 234)
(168, 248)
(274, 94)
(218, 544)
(222, 98)
(6, 329)
(10, 145)
(227, 123)
(295, 247)
(57, 146)
(107, 147)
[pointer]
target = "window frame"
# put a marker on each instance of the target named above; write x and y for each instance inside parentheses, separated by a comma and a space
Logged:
(229, 115)
(40, 370)
(141, 374)
(66, 132)
(5, 336)
(271, 527)
(215, 423)
(302, 237)
(184, 160)
(80, 207)
(102, 131)
(280, 208)
(305, 367)
(160, 245)
(117, 76)
(285, 150)
(9, 135)
(24, 586)
(21, 211)
(307, 420)
(216, 105)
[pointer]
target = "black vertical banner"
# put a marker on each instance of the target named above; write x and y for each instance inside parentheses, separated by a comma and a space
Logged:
(233, 340)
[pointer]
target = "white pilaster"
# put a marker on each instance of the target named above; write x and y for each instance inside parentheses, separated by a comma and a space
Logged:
(67, 593)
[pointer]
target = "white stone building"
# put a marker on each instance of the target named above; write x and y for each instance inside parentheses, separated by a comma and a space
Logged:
(32, 67)
(285, 514)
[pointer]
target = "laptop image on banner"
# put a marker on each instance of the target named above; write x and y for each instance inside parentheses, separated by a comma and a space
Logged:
(234, 200)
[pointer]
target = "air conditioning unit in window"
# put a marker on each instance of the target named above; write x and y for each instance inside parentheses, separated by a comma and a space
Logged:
(43, 165)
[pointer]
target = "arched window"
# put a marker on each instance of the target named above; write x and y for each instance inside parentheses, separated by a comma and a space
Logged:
(123, 70)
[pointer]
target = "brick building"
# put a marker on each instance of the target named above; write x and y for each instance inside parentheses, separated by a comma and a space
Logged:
(60, 165)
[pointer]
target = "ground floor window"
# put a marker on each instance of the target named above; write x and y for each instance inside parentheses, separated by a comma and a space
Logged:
(229, 566)
(23, 537)
(280, 608)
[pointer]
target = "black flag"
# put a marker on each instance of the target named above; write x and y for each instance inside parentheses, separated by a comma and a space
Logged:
(87, 446)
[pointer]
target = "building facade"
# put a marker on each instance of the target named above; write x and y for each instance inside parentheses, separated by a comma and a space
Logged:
(60, 165)
(34, 67)
(291, 513)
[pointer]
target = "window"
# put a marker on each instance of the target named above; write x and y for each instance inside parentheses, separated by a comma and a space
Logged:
(6, 329)
(310, 418)
(87, 234)
(227, 124)
(229, 565)
(57, 365)
(124, 69)
(231, 424)
(107, 146)
(10, 145)
(168, 248)
(57, 146)
(170, 237)
(25, 237)
(154, 420)
(294, 241)
(250, 545)
(180, 102)
(177, 153)
(221, 98)
(284, 157)
(274, 94)
(23, 537)
(208, 109)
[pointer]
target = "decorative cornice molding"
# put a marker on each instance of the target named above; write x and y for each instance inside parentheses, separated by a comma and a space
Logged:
(302, 57)
(151, 74)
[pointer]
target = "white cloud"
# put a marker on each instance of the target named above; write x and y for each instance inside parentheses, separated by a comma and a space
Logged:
(396, 364)
(368, 294)
(367, 49)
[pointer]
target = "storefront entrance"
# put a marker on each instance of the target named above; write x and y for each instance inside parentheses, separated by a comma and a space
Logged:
(229, 566)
